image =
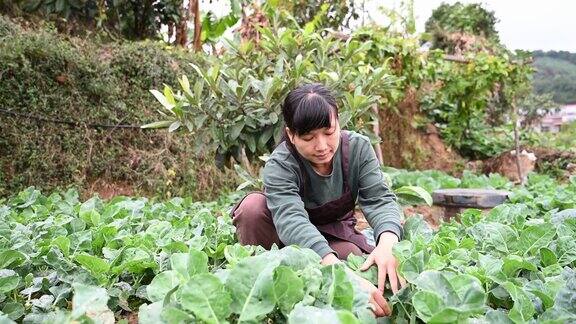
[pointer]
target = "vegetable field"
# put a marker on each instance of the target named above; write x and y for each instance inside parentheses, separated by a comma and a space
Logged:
(176, 261)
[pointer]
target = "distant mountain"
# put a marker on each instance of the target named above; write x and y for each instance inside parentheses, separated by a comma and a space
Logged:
(556, 74)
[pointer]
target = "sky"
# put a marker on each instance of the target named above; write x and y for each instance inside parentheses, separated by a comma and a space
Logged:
(523, 24)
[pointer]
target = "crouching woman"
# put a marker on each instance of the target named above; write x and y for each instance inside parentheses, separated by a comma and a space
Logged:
(312, 182)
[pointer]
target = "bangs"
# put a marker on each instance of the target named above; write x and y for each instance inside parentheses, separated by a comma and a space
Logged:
(313, 112)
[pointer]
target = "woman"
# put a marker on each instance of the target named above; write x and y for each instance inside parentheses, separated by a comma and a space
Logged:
(311, 183)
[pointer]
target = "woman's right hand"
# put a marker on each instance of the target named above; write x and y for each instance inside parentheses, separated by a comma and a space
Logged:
(379, 304)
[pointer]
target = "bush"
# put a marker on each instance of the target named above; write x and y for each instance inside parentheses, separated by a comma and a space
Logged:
(47, 75)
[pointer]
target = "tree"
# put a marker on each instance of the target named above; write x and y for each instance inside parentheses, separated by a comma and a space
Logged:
(132, 19)
(338, 13)
(460, 26)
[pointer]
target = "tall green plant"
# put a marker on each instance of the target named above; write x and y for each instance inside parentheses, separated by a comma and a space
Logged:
(235, 100)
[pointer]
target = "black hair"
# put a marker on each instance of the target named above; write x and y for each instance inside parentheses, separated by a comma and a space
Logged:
(309, 107)
(306, 108)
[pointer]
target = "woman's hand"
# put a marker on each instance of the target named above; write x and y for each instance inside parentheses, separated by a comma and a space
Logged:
(380, 306)
(386, 262)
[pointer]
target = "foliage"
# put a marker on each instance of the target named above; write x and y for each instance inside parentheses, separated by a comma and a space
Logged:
(533, 107)
(55, 247)
(563, 140)
(431, 180)
(132, 19)
(561, 55)
(470, 19)
(556, 74)
(49, 76)
(515, 260)
(177, 261)
(332, 14)
(470, 92)
(235, 99)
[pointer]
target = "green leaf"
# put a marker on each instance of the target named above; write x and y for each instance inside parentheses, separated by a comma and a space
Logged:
(197, 262)
(9, 280)
(206, 297)
(309, 314)
(514, 263)
(413, 195)
(494, 236)
(89, 211)
(91, 301)
(11, 258)
(411, 268)
(163, 283)
(134, 260)
(5, 319)
(151, 314)
(567, 294)
(337, 290)
(252, 286)
(533, 238)
(158, 124)
(497, 317)
(427, 304)
(542, 291)
(236, 129)
(523, 308)
(63, 243)
(13, 310)
(547, 257)
(185, 84)
(355, 262)
(235, 253)
(462, 296)
(172, 314)
(565, 249)
(416, 227)
(163, 100)
(288, 288)
(93, 264)
(174, 126)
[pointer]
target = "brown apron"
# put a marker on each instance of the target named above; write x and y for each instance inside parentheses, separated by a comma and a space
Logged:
(335, 219)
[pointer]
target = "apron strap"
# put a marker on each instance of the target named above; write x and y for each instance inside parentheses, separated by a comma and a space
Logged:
(345, 158)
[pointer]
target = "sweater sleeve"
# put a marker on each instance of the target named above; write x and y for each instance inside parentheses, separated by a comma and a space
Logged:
(377, 201)
(287, 208)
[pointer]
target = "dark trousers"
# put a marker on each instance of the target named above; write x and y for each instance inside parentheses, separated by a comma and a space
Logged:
(254, 226)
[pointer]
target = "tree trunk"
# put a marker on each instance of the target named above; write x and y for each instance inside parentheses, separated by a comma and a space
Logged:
(182, 26)
(195, 8)
(517, 142)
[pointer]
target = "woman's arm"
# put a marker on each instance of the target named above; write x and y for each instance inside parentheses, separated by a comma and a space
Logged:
(377, 201)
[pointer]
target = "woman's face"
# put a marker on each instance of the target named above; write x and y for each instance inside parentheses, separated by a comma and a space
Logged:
(318, 146)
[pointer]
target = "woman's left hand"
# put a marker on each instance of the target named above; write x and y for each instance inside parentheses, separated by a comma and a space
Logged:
(386, 262)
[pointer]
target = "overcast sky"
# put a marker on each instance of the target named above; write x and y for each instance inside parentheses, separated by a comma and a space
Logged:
(523, 24)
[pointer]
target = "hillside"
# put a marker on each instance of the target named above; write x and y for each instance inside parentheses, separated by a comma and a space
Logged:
(556, 73)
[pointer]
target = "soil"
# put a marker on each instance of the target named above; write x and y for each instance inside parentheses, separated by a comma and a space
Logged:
(506, 165)
(438, 155)
(405, 145)
(432, 215)
(107, 190)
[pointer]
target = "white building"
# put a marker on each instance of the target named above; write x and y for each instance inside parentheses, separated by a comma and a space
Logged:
(554, 121)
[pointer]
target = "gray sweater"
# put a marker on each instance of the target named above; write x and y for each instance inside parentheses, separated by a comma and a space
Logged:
(282, 185)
